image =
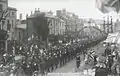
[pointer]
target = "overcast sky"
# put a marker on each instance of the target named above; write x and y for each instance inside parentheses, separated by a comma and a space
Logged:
(83, 8)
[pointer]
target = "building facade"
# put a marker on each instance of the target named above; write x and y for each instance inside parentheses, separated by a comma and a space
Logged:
(3, 5)
(100, 25)
(11, 22)
(20, 33)
(116, 27)
(3, 9)
(9, 16)
(56, 25)
(72, 22)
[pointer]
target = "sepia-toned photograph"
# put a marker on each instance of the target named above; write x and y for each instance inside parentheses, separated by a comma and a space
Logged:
(59, 37)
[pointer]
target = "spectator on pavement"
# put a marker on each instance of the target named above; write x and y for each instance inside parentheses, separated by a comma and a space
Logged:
(107, 51)
(110, 62)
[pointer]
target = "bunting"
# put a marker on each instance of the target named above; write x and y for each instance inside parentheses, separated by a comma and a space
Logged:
(106, 6)
(116, 5)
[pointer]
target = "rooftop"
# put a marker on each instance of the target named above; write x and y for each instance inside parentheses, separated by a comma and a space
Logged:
(11, 8)
(21, 26)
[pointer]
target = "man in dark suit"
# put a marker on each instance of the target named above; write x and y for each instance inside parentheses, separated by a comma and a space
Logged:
(101, 71)
(107, 51)
(77, 60)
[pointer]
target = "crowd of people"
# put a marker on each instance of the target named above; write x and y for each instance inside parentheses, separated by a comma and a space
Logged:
(107, 63)
(48, 59)
(112, 58)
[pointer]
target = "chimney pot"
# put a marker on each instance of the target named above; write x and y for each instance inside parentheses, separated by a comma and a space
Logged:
(26, 15)
(39, 9)
(31, 12)
(21, 16)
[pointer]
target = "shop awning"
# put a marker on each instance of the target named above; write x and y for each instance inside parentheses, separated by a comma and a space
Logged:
(113, 38)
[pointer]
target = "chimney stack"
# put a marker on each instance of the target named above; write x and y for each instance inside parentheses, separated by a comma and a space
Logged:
(35, 9)
(26, 15)
(21, 16)
(39, 10)
(31, 13)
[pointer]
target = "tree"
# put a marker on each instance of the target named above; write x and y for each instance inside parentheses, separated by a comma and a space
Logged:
(4, 15)
(3, 33)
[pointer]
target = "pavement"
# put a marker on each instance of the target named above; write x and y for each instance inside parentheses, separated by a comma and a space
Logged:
(71, 66)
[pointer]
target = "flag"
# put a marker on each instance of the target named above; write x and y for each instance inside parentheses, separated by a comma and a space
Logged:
(116, 5)
(106, 6)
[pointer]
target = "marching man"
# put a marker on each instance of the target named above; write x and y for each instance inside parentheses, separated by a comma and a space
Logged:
(78, 60)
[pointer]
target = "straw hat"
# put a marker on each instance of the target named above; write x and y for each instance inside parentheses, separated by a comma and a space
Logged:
(101, 65)
(102, 59)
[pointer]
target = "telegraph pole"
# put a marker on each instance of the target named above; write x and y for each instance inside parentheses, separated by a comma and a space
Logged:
(108, 29)
(104, 25)
(76, 29)
(111, 25)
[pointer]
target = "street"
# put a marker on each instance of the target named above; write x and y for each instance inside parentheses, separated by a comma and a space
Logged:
(71, 66)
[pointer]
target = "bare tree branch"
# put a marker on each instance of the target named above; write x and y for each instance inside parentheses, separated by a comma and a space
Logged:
(1, 16)
(4, 15)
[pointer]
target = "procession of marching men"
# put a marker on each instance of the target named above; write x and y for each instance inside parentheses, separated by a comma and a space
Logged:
(35, 58)
(47, 60)
(106, 64)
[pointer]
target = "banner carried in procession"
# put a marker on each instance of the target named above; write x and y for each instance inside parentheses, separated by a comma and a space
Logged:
(106, 6)
(88, 72)
(69, 74)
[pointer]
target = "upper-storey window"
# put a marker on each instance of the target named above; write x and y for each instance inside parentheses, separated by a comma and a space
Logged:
(13, 13)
